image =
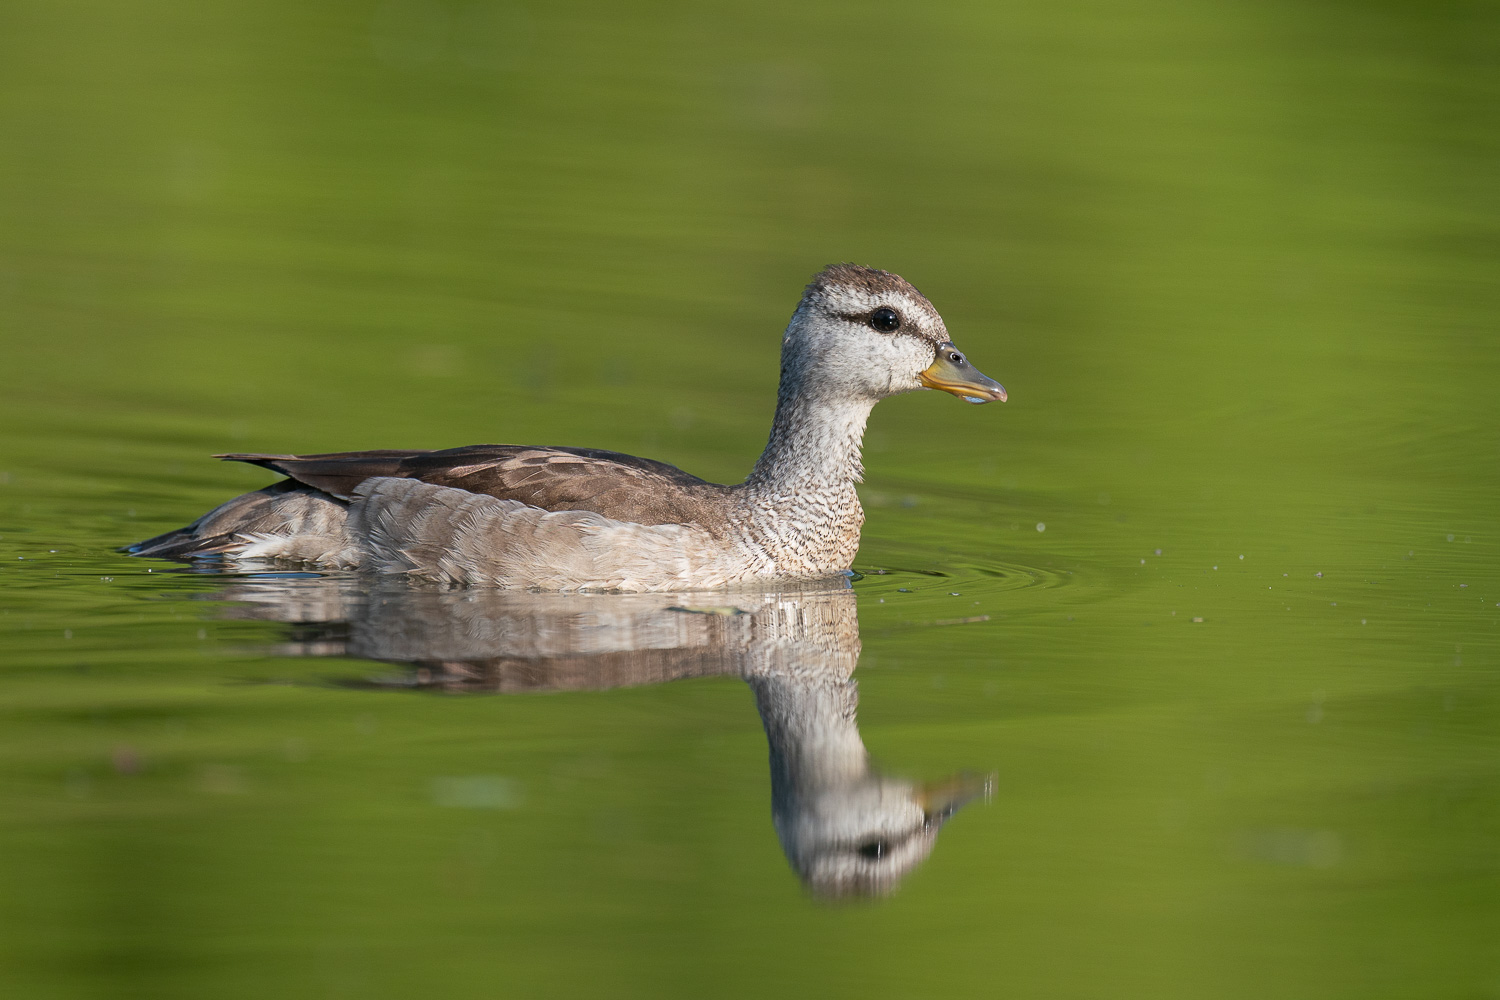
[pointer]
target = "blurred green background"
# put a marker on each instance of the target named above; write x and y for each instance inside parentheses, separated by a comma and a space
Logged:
(1237, 263)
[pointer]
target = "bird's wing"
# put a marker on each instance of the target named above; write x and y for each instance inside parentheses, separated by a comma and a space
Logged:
(616, 485)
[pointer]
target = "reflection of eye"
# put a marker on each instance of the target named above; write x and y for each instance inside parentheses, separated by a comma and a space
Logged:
(873, 849)
(885, 320)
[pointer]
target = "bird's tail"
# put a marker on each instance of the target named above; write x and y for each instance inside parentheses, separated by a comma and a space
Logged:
(283, 512)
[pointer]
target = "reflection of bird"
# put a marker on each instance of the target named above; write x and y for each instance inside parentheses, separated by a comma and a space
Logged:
(585, 519)
(847, 828)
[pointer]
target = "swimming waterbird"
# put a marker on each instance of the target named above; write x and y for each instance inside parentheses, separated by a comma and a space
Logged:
(553, 518)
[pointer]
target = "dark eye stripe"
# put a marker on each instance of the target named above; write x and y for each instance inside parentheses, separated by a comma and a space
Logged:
(906, 330)
(870, 319)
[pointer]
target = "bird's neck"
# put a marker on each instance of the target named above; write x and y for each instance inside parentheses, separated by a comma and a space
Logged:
(815, 443)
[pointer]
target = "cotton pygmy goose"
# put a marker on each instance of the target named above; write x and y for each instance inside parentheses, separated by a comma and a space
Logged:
(553, 518)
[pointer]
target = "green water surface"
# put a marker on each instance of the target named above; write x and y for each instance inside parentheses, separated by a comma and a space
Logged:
(1215, 597)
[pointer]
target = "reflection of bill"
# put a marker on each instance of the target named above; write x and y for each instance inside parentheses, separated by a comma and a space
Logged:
(847, 829)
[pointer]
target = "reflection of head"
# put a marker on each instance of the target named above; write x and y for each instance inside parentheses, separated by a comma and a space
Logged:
(858, 840)
(863, 839)
(847, 830)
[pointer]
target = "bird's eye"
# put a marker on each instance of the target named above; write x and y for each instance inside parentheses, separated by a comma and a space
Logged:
(873, 849)
(956, 358)
(885, 319)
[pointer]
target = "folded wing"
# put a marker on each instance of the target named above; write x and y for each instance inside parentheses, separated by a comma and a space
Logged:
(616, 485)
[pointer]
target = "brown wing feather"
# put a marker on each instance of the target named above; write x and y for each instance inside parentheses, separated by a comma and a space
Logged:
(608, 482)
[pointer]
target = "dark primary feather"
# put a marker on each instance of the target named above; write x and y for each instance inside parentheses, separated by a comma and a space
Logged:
(336, 472)
(616, 485)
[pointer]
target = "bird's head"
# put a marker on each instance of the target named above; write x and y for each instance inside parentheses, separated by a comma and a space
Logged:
(869, 334)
